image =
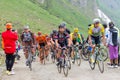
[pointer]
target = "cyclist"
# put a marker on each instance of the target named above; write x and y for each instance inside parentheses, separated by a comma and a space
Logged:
(27, 39)
(53, 37)
(48, 45)
(62, 40)
(76, 39)
(66, 29)
(95, 32)
(41, 41)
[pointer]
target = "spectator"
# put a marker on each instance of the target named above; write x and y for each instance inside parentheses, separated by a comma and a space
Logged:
(9, 39)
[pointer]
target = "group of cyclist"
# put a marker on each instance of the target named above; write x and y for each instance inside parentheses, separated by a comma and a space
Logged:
(64, 38)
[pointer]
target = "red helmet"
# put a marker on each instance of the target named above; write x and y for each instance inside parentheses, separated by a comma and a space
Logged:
(39, 33)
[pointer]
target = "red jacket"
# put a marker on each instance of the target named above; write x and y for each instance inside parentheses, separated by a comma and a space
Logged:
(9, 39)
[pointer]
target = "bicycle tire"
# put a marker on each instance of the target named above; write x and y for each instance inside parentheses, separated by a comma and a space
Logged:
(66, 68)
(30, 65)
(104, 54)
(84, 53)
(59, 67)
(44, 62)
(92, 65)
(53, 57)
(78, 59)
(30, 61)
(100, 63)
(68, 60)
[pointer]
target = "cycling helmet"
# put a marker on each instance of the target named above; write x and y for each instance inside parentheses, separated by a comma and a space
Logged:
(76, 30)
(96, 21)
(54, 31)
(26, 27)
(62, 25)
(39, 33)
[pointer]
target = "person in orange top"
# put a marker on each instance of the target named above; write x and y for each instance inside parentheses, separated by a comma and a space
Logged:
(41, 41)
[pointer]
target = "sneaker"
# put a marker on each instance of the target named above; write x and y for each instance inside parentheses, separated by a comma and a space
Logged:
(16, 61)
(116, 66)
(92, 59)
(110, 66)
(7, 72)
(12, 73)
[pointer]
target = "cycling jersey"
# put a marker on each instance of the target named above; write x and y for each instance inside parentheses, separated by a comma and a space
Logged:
(28, 38)
(96, 31)
(53, 36)
(76, 36)
(41, 39)
(62, 38)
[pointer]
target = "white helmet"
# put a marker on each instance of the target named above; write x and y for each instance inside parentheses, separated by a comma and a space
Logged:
(96, 21)
(26, 27)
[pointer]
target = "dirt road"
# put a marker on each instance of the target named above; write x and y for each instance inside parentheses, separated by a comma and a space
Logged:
(49, 72)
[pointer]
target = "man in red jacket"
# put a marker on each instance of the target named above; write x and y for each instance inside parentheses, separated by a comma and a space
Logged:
(9, 39)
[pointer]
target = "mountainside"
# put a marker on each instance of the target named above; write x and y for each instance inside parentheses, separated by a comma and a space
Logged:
(45, 15)
(111, 8)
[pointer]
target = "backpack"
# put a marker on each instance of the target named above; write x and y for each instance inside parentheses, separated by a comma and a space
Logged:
(114, 36)
(27, 37)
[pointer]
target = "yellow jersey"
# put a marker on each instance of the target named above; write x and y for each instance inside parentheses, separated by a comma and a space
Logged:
(96, 31)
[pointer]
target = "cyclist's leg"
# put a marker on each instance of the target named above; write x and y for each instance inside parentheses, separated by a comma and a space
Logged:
(47, 48)
(41, 52)
(93, 44)
(58, 54)
(72, 54)
(25, 52)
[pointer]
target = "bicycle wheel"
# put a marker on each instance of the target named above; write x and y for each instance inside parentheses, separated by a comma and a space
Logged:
(68, 60)
(44, 57)
(59, 67)
(30, 61)
(66, 68)
(91, 63)
(100, 63)
(53, 57)
(104, 54)
(84, 53)
(78, 59)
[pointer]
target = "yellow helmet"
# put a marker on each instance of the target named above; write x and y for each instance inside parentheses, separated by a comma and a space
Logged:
(76, 30)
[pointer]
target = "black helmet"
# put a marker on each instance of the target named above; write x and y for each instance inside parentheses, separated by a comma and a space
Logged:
(62, 25)
(111, 25)
(54, 31)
